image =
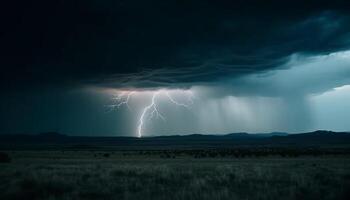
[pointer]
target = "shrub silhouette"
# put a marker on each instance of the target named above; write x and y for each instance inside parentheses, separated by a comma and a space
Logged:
(4, 158)
(106, 155)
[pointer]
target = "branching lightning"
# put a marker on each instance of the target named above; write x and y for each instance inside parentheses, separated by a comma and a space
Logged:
(151, 110)
(121, 99)
(175, 102)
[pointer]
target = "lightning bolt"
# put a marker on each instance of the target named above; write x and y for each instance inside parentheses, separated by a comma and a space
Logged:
(151, 110)
(153, 106)
(175, 102)
(121, 99)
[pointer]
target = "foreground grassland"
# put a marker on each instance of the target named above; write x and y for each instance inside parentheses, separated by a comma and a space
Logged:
(117, 175)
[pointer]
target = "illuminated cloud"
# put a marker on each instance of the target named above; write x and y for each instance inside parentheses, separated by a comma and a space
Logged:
(251, 68)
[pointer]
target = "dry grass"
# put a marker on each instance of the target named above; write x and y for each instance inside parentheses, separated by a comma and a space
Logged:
(83, 175)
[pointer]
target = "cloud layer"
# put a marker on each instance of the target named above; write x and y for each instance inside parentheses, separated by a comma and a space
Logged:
(254, 65)
(156, 43)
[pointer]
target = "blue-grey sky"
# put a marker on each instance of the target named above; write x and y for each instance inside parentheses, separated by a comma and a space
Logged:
(212, 67)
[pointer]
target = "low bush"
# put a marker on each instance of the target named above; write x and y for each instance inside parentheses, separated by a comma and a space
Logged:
(4, 158)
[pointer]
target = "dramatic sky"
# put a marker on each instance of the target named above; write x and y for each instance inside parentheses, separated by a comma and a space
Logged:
(211, 66)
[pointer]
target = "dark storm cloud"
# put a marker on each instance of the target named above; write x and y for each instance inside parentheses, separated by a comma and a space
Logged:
(160, 43)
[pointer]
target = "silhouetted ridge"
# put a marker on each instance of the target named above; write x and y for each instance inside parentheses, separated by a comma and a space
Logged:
(191, 141)
(51, 135)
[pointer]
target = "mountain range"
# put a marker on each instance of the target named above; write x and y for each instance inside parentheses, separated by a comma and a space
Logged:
(316, 138)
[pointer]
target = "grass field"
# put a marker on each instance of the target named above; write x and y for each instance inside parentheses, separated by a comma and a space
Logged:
(119, 175)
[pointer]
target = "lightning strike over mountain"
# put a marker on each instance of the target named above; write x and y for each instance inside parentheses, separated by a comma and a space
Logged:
(151, 110)
(154, 108)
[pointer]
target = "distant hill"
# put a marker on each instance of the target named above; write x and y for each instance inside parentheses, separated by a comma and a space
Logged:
(315, 138)
(51, 135)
